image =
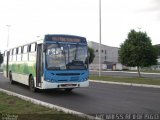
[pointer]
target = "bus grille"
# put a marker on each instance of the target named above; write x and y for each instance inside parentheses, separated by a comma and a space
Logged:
(67, 74)
(74, 79)
(71, 79)
(62, 80)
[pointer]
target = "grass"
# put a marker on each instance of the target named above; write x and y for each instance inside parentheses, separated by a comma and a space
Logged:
(150, 81)
(28, 111)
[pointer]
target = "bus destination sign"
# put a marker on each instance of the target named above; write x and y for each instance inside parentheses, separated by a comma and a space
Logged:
(66, 39)
(63, 38)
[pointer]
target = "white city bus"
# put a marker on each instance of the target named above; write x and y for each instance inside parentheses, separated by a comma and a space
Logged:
(57, 61)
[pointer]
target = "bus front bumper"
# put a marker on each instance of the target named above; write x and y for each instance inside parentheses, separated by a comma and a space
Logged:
(50, 85)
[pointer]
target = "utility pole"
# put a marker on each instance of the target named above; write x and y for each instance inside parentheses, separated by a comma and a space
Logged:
(8, 27)
(100, 64)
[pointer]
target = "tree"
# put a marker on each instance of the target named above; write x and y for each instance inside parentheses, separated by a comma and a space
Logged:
(1, 58)
(158, 49)
(137, 50)
(91, 55)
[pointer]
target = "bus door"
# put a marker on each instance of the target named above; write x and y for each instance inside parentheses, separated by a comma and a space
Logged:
(39, 70)
(7, 66)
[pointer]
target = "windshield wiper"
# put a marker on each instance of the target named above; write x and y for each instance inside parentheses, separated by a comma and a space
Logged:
(54, 68)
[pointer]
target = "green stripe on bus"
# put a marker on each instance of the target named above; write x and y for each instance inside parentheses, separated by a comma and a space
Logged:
(23, 68)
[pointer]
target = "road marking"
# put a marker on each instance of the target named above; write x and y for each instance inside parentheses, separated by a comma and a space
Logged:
(49, 105)
(128, 84)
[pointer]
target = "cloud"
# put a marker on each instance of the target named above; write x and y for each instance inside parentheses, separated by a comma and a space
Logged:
(152, 6)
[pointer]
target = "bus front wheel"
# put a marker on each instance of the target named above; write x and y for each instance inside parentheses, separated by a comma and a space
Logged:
(68, 89)
(32, 84)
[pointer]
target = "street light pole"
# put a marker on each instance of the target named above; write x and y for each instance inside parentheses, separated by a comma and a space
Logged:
(100, 64)
(8, 26)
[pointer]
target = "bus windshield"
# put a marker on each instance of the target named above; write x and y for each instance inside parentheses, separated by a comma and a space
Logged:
(66, 56)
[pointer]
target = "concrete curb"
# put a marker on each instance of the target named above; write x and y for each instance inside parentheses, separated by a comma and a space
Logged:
(127, 84)
(128, 72)
(52, 106)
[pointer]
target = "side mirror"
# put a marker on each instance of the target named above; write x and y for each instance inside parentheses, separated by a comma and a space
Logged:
(88, 54)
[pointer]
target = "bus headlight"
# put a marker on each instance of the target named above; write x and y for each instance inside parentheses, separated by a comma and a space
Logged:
(84, 79)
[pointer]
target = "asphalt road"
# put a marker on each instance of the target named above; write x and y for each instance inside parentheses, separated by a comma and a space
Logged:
(98, 98)
(126, 74)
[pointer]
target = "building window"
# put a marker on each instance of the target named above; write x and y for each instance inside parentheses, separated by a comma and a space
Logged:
(105, 51)
(102, 51)
(96, 50)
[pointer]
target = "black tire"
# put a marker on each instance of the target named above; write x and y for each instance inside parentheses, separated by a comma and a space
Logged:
(32, 84)
(10, 78)
(68, 89)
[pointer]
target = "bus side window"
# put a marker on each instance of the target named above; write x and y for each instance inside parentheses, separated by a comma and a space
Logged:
(10, 55)
(32, 54)
(25, 53)
(14, 54)
(19, 50)
(19, 54)
(29, 48)
(4, 53)
(12, 51)
(22, 49)
(25, 49)
(33, 47)
(16, 50)
(4, 56)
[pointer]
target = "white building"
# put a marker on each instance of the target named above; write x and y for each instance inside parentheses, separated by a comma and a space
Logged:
(156, 67)
(109, 56)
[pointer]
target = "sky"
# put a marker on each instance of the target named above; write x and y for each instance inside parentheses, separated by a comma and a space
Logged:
(29, 19)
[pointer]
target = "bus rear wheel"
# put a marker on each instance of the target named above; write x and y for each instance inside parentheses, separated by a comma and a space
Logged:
(32, 84)
(10, 78)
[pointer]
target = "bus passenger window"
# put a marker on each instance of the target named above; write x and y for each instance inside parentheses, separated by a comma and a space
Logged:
(4, 53)
(16, 50)
(25, 49)
(29, 48)
(12, 51)
(19, 55)
(33, 47)
(19, 50)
